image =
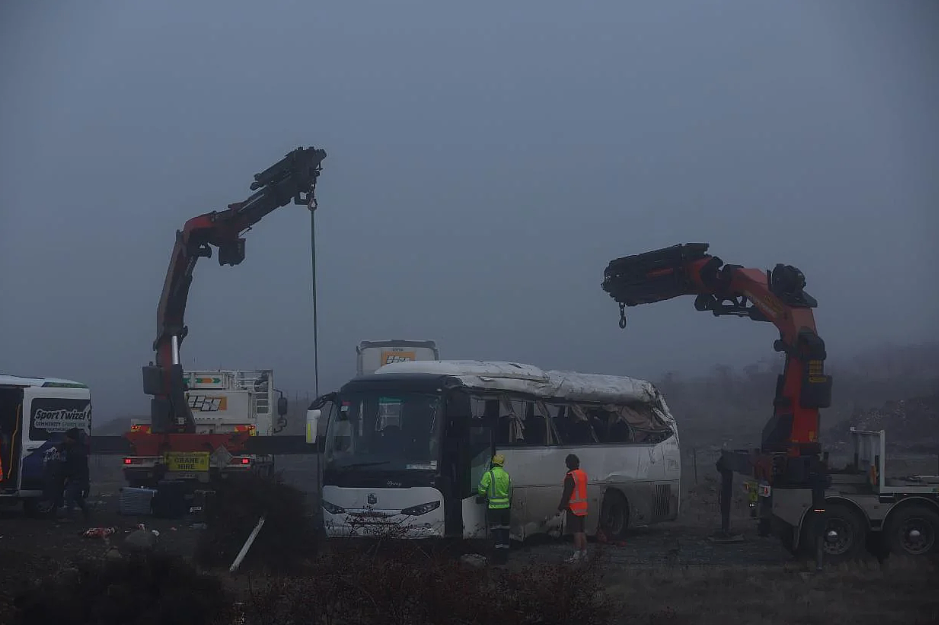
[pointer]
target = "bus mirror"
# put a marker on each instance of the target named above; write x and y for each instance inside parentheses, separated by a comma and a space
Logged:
(282, 406)
(312, 425)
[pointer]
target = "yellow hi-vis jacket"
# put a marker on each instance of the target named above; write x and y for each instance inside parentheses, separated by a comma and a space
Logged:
(496, 487)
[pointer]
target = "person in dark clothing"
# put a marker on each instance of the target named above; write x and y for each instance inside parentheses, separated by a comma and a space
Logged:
(574, 503)
(76, 473)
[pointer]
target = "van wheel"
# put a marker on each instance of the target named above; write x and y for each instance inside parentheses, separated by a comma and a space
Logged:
(39, 507)
(913, 531)
(614, 514)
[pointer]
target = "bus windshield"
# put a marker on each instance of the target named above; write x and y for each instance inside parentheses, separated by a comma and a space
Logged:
(384, 431)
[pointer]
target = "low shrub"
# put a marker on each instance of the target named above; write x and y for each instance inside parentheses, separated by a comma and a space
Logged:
(403, 583)
(152, 589)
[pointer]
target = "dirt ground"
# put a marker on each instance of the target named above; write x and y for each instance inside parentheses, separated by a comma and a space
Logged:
(667, 573)
(682, 542)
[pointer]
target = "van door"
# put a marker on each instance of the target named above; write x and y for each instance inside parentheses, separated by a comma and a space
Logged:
(48, 413)
(11, 425)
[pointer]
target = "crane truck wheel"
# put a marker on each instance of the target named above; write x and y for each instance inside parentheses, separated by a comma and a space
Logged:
(844, 534)
(614, 514)
(913, 530)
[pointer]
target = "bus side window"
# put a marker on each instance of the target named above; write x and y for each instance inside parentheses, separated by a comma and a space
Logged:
(579, 428)
(536, 426)
(619, 431)
(479, 447)
(503, 422)
(559, 421)
(599, 421)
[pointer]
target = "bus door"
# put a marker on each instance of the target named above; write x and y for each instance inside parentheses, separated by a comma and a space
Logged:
(11, 427)
(48, 413)
(467, 452)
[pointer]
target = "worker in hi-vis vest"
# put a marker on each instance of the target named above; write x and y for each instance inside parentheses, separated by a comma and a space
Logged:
(574, 501)
(496, 487)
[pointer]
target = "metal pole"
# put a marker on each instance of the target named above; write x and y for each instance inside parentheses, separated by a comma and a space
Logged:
(316, 342)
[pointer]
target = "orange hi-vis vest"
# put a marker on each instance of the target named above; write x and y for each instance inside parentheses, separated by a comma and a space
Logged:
(578, 502)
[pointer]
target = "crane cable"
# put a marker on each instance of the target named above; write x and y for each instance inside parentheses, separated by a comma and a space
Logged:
(316, 343)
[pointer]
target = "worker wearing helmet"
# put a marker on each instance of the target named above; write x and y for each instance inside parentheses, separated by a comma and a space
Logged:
(496, 488)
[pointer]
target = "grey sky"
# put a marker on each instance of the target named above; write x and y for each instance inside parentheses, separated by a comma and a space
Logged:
(485, 163)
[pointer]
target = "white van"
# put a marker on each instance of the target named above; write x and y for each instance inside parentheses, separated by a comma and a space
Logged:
(35, 414)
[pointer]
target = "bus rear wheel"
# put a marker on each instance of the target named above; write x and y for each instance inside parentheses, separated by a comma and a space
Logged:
(614, 514)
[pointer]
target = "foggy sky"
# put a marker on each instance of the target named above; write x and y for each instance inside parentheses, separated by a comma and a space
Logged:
(485, 161)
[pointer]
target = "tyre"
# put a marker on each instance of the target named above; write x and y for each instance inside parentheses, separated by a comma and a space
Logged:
(614, 514)
(913, 530)
(844, 534)
(39, 507)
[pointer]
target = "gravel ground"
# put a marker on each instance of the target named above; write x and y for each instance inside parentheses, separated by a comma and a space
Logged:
(684, 542)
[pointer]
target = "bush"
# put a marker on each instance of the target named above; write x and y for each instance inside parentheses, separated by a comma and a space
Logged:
(402, 583)
(150, 589)
(287, 540)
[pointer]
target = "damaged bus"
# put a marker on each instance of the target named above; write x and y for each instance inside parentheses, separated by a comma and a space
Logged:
(404, 449)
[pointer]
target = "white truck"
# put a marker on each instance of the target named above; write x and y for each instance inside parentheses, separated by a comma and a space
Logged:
(864, 509)
(222, 402)
(370, 355)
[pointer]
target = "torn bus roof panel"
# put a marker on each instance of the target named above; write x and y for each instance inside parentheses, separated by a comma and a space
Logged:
(531, 380)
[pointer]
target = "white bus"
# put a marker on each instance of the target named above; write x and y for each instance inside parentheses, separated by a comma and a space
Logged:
(407, 446)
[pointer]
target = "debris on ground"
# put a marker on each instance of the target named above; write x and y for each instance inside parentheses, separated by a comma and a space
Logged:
(99, 532)
(285, 545)
(139, 541)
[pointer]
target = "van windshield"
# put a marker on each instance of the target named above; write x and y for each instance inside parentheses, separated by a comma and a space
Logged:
(384, 431)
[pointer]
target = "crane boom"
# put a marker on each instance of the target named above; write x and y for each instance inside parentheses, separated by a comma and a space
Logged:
(776, 296)
(292, 179)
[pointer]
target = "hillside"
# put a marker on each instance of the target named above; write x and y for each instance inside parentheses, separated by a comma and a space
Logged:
(894, 387)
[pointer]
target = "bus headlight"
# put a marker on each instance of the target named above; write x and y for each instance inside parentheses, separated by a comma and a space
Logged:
(424, 508)
(332, 508)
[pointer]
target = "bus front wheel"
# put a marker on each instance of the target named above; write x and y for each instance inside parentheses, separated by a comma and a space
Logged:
(614, 514)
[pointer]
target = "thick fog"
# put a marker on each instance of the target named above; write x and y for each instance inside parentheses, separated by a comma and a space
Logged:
(485, 162)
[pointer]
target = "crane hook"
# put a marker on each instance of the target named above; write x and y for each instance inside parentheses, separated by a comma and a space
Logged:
(622, 316)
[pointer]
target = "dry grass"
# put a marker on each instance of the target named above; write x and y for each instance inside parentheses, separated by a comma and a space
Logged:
(902, 593)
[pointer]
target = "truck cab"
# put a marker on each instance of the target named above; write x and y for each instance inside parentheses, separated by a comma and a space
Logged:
(35, 414)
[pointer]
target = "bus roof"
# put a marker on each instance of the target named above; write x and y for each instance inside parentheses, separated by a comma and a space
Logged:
(397, 343)
(531, 380)
(16, 380)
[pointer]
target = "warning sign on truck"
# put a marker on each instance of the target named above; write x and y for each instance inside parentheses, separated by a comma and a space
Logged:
(178, 461)
(389, 356)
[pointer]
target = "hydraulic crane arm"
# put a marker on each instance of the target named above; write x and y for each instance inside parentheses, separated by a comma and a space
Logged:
(293, 178)
(777, 297)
